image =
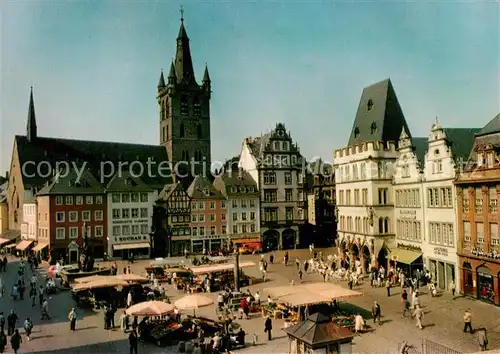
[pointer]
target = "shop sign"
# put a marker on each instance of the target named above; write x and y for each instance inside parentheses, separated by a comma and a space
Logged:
(441, 251)
(129, 238)
(408, 214)
(209, 237)
(493, 254)
(135, 221)
(485, 275)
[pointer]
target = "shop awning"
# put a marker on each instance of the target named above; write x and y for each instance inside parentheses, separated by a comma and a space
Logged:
(181, 238)
(247, 240)
(11, 246)
(40, 246)
(4, 241)
(219, 267)
(21, 246)
(130, 246)
(404, 256)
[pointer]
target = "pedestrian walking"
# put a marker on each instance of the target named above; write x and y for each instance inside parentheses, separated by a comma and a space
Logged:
(3, 342)
(300, 274)
(2, 321)
(11, 322)
(45, 310)
(482, 339)
(419, 315)
(388, 287)
(28, 327)
(453, 288)
(376, 312)
(268, 327)
(33, 296)
(40, 295)
(15, 341)
(72, 320)
(132, 341)
(467, 321)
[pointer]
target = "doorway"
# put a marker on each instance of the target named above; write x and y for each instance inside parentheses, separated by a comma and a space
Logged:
(467, 279)
(73, 256)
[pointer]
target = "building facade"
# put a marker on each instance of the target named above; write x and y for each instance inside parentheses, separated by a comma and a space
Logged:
(29, 225)
(275, 164)
(185, 111)
(363, 178)
(4, 209)
(130, 210)
(71, 208)
(242, 206)
(208, 217)
(477, 189)
(177, 206)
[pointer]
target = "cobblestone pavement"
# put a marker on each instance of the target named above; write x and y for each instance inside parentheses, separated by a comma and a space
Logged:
(442, 321)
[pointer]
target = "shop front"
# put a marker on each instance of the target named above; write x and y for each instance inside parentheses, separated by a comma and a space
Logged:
(41, 250)
(442, 267)
(406, 259)
(210, 243)
(136, 250)
(180, 245)
(485, 285)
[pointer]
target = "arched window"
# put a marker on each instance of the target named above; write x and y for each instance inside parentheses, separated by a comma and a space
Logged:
(386, 225)
(166, 132)
(196, 107)
(198, 131)
(181, 134)
(184, 105)
(380, 225)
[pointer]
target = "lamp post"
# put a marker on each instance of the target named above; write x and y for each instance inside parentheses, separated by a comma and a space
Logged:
(236, 254)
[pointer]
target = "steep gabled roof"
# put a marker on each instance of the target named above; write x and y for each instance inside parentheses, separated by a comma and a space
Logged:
(98, 155)
(169, 189)
(461, 141)
(236, 178)
(201, 188)
(124, 181)
(420, 146)
(73, 182)
(379, 116)
(492, 127)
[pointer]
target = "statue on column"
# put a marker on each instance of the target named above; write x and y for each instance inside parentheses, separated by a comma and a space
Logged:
(86, 262)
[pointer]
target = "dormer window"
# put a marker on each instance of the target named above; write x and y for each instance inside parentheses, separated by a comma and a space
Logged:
(436, 152)
(184, 106)
(356, 132)
(234, 189)
(369, 105)
(206, 191)
(373, 128)
(276, 145)
(242, 189)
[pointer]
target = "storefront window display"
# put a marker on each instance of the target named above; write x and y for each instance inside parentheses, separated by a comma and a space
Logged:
(485, 287)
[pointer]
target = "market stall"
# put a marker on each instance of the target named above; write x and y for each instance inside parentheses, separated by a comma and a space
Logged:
(217, 276)
(193, 302)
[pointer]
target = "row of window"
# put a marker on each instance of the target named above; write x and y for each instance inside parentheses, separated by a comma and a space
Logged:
(130, 197)
(440, 197)
(361, 197)
(409, 230)
(73, 232)
(211, 205)
(243, 216)
(361, 225)
(243, 189)
(127, 230)
(211, 217)
(358, 172)
(270, 178)
(79, 199)
(243, 203)
(479, 198)
(73, 216)
(408, 198)
(279, 161)
(126, 213)
(441, 233)
(480, 237)
(271, 214)
(29, 209)
(271, 195)
(237, 229)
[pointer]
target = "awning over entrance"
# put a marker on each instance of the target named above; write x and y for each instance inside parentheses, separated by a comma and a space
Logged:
(21, 246)
(129, 246)
(11, 246)
(40, 246)
(247, 240)
(4, 241)
(404, 256)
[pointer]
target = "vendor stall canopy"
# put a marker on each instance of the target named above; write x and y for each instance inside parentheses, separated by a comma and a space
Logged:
(310, 294)
(219, 267)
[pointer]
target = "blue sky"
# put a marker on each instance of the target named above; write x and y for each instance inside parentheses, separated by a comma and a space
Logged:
(95, 65)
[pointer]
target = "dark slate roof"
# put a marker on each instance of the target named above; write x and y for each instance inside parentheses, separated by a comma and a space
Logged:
(167, 191)
(197, 189)
(320, 167)
(236, 178)
(73, 183)
(385, 115)
(258, 144)
(11, 234)
(492, 127)
(124, 181)
(461, 141)
(318, 329)
(420, 146)
(184, 71)
(98, 155)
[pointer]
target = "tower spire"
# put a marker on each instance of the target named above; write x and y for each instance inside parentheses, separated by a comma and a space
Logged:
(183, 62)
(161, 82)
(31, 128)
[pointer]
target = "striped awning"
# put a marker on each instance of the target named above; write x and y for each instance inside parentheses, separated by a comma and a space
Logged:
(21, 246)
(40, 246)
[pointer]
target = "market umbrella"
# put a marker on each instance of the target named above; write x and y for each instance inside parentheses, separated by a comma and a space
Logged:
(90, 278)
(133, 278)
(193, 302)
(101, 283)
(150, 308)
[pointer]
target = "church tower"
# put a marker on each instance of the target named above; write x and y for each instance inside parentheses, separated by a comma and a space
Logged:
(185, 111)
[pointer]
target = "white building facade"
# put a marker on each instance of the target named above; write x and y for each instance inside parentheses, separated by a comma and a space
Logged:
(130, 210)
(275, 164)
(29, 226)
